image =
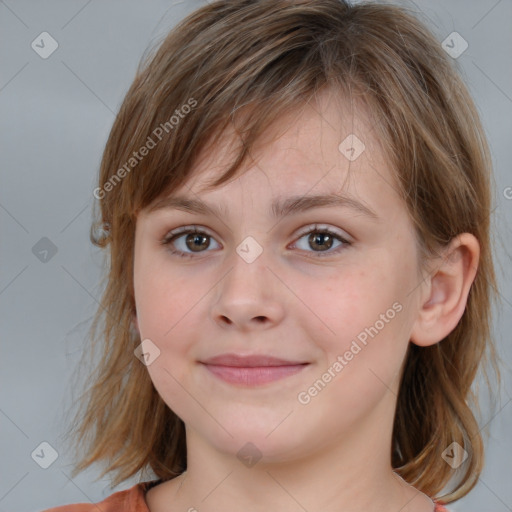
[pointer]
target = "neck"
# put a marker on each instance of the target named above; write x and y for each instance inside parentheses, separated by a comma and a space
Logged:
(353, 474)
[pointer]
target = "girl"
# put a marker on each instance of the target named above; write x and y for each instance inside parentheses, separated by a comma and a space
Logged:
(295, 197)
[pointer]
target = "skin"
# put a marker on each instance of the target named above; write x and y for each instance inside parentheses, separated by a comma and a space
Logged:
(332, 453)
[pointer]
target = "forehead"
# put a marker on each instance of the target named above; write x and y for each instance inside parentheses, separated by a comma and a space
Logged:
(327, 146)
(328, 142)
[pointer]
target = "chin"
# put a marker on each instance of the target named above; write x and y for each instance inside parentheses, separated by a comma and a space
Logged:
(263, 444)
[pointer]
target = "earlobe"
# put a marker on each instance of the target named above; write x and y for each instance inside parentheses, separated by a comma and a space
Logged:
(447, 291)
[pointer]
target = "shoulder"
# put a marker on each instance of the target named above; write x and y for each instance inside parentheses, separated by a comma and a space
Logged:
(129, 500)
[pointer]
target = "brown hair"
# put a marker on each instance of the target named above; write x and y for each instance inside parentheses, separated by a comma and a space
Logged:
(265, 58)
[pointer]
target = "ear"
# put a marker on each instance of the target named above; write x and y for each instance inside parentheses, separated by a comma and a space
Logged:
(445, 291)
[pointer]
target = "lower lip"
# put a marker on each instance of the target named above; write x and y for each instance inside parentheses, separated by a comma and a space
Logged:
(253, 376)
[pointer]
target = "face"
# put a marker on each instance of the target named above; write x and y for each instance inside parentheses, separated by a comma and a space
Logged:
(325, 289)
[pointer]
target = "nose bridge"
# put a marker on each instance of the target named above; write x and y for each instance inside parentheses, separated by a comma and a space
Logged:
(247, 293)
(248, 264)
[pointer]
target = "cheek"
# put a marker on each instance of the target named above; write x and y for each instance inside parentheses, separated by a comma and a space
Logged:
(159, 295)
(161, 304)
(343, 306)
(169, 303)
(165, 316)
(363, 341)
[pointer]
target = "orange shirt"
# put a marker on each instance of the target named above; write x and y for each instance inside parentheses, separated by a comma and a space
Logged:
(130, 500)
(133, 500)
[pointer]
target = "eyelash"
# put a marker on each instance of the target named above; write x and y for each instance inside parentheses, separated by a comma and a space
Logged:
(177, 233)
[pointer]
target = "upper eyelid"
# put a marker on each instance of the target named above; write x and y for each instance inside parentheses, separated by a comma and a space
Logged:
(184, 230)
(319, 226)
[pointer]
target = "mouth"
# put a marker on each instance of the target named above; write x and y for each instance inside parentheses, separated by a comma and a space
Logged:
(251, 370)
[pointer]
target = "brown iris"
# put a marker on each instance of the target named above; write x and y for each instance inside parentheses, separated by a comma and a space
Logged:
(319, 239)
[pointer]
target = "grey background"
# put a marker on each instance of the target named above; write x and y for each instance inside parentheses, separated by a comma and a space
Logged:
(55, 117)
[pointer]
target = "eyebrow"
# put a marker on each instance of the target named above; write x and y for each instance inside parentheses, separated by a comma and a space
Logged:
(280, 207)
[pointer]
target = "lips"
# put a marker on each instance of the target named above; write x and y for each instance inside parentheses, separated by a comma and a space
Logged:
(251, 370)
(249, 361)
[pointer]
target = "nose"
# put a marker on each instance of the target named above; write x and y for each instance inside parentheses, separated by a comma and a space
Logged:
(249, 296)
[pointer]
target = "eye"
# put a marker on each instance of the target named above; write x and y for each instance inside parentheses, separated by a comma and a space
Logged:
(184, 242)
(191, 238)
(322, 239)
